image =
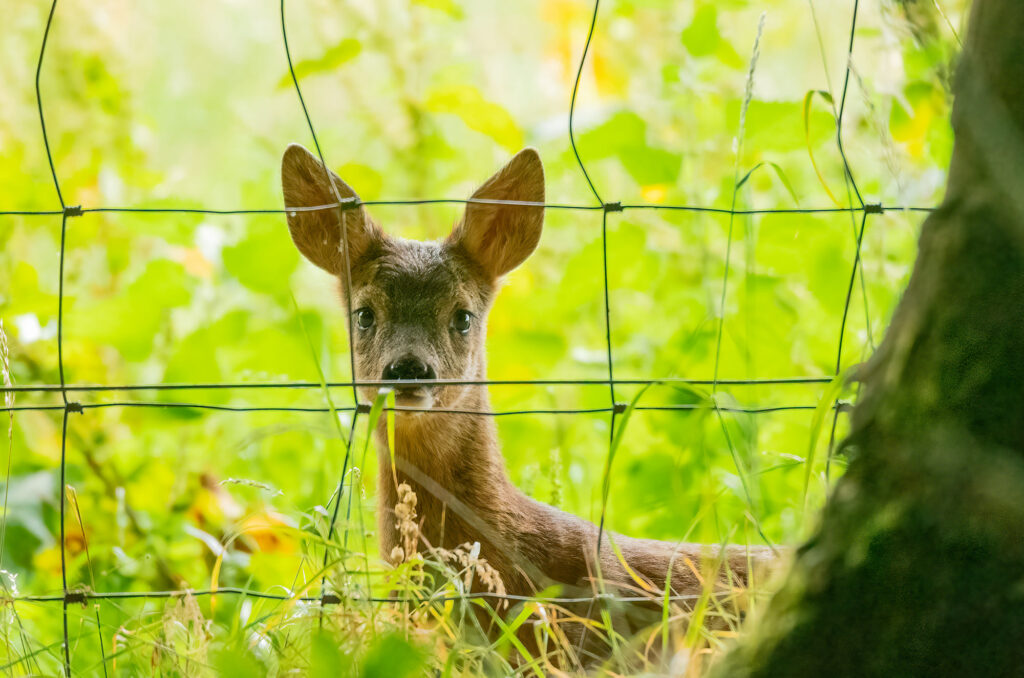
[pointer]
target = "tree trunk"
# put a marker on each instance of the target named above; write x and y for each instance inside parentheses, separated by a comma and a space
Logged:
(917, 568)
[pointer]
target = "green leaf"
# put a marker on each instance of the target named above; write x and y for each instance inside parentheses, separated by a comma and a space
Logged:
(130, 320)
(622, 131)
(326, 657)
(785, 181)
(828, 397)
(22, 294)
(163, 283)
(778, 172)
(620, 432)
(808, 100)
(486, 117)
(195, 357)
(27, 497)
(392, 657)
(727, 54)
(781, 125)
(449, 7)
(264, 259)
(366, 181)
(743, 425)
(624, 136)
(236, 663)
(701, 37)
(344, 51)
(276, 350)
(651, 165)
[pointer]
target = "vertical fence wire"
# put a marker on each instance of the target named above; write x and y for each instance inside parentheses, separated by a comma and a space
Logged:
(342, 212)
(851, 183)
(605, 208)
(60, 349)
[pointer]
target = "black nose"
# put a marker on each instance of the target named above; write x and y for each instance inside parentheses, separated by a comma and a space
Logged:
(408, 368)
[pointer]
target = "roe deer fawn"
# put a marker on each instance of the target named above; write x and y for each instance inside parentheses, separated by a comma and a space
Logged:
(419, 312)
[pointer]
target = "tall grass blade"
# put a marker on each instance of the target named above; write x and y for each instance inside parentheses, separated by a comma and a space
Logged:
(825, 403)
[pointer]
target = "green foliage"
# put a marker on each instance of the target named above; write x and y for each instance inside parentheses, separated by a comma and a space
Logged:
(702, 38)
(346, 50)
(189, 105)
(486, 117)
(263, 259)
(624, 137)
(392, 657)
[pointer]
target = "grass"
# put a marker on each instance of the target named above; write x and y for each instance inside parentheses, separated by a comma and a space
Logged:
(434, 630)
(438, 612)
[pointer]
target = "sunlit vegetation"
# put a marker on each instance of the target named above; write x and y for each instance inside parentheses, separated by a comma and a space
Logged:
(190, 105)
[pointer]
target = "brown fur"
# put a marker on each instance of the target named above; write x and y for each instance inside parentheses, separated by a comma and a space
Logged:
(453, 461)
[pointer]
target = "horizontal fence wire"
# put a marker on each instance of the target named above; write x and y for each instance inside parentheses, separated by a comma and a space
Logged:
(70, 595)
(876, 208)
(84, 596)
(619, 408)
(234, 386)
(365, 407)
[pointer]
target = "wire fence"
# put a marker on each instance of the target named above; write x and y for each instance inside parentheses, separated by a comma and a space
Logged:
(614, 408)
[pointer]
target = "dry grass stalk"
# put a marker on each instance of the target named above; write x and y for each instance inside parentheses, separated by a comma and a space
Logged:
(467, 557)
(5, 370)
(186, 636)
(408, 528)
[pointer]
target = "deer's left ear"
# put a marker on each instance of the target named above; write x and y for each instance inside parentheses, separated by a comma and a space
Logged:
(500, 237)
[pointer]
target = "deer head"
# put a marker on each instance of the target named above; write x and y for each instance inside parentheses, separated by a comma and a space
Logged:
(418, 309)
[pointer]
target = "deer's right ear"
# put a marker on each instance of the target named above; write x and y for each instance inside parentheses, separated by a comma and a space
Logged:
(318, 233)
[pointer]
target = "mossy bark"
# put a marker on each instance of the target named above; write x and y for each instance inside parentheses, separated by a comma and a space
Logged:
(917, 568)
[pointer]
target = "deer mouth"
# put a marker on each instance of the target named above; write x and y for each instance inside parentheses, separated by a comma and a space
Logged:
(414, 397)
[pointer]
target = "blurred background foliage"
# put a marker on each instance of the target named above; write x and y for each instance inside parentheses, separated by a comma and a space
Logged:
(190, 105)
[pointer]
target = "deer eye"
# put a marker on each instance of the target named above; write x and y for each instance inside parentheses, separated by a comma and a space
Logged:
(462, 321)
(364, 318)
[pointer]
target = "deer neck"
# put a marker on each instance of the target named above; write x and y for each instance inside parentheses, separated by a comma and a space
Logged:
(453, 464)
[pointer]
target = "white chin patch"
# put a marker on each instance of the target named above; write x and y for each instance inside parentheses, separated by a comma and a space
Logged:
(414, 398)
